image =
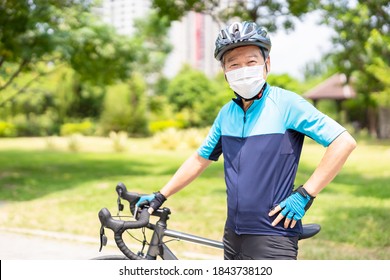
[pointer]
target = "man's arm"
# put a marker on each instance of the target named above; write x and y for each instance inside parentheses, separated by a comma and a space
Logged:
(331, 163)
(187, 172)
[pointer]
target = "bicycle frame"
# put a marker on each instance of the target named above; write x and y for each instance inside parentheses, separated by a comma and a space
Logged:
(158, 248)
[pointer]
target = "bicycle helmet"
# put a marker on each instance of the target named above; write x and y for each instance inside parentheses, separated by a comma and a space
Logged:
(240, 34)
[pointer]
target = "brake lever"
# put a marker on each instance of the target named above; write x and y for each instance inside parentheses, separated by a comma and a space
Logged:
(103, 238)
(120, 205)
(135, 211)
(143, 205)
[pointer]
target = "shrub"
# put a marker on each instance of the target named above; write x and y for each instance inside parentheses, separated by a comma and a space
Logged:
(32, 124)
(125, 108)
(51, 142)
(174, 139)
(7, 129)
(119, 140)
(84, 128)
(74, 142)
(194, 137)
(158, 126)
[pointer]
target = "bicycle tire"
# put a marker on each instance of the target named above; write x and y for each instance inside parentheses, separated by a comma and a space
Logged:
(111, 258)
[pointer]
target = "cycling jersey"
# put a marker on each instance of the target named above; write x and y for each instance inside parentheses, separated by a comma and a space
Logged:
(261, 149)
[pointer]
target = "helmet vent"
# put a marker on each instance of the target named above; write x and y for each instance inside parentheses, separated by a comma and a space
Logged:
(262, 32)
(223, 33)
(235, 31)
(249, 29)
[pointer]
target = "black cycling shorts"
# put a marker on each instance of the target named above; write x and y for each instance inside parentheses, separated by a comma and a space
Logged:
(259, 247)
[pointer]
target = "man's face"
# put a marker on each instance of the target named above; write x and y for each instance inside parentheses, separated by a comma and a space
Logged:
(244, 56)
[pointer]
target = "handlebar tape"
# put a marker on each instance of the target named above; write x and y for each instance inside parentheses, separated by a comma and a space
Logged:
(118, 227)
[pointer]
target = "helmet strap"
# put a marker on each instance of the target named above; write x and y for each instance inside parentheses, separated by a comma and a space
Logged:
(265, 58)
(256, 97)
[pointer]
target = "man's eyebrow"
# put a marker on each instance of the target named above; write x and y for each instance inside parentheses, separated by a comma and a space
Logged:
(253, 55)
(232, 58)
(249, 56)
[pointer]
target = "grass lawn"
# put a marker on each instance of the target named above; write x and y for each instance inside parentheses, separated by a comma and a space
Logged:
(58, 190)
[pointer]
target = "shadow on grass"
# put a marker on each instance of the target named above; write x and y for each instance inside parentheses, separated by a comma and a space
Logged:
(357, 208)
(27, 175)
(357, 184)
(358, 226)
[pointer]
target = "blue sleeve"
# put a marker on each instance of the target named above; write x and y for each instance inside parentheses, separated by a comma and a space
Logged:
(212, 146)
(302, 116)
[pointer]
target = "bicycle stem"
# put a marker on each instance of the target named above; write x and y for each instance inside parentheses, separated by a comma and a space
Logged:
(155, 247)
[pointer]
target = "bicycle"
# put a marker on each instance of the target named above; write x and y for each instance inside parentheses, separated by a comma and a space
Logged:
(156, 247)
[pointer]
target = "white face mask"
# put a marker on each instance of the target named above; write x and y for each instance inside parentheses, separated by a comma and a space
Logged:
(246, 81)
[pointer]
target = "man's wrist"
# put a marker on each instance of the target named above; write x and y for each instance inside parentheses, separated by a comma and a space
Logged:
(158, 200)
(160, 196)
(303, 191)
(309, 198)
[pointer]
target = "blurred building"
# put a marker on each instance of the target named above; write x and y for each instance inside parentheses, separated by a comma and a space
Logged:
(121, 13)
(192, 38)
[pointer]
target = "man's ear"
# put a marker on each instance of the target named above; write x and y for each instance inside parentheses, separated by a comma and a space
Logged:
(224, 73)
(268, 64)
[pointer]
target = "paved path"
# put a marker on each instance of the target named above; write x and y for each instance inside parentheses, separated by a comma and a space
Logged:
(16, 244)
(24, 244)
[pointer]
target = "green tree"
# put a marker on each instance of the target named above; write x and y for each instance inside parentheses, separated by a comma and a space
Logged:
(151, 34)
(85, 55)
(188, 92)
(220, 94)
(29, 32)
(98, 54)
(353, 22)
(33, 112)
(48, 32)
(285, 81)
(378, 47)
(84, 99)
(272, 14)
(125, 107)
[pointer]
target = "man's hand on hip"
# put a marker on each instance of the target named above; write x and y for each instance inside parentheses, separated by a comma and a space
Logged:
(293, 208)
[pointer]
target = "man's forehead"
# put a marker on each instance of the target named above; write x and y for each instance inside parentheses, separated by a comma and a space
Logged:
(243, 52)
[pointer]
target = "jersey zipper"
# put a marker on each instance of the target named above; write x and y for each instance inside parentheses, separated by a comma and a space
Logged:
(239, 167)
(243, 126)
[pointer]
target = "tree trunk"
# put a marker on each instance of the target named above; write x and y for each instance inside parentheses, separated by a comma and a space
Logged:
(372, 121)
(384, 123)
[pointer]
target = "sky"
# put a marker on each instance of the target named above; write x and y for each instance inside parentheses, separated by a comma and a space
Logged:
(308, 42)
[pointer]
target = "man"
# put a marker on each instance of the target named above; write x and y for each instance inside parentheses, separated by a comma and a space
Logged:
(260, 134)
